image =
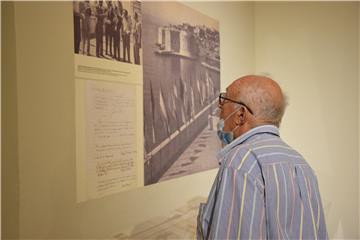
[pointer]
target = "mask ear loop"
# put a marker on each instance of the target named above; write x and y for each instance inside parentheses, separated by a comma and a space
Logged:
(235, 111)
(222, 121)
(237, 126)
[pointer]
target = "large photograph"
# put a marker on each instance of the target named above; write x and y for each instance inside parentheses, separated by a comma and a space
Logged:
(108, 29)
(181, 85)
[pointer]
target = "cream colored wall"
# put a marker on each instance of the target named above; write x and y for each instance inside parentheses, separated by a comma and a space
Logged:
(9, 129)
(46, 127)
(0, 120)
(9, 154)
(312, 50)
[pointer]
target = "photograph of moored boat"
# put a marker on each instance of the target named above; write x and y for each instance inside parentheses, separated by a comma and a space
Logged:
(181, 53)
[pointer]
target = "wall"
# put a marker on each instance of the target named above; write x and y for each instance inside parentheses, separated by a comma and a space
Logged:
(0, 127)
(9, 155)
(46, 128)
(312, 50)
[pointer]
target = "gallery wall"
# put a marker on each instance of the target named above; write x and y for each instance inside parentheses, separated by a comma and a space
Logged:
(40, 107)
(314, 56)
(10, 168)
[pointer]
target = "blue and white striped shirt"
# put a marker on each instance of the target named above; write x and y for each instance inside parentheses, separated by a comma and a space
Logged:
(264, 190)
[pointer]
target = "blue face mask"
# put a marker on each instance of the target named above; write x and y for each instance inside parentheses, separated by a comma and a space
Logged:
(225, 137)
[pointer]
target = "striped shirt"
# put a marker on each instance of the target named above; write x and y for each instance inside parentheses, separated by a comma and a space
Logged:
(264, 190)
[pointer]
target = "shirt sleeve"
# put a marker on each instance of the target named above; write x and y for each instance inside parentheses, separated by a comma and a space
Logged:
(235, 208)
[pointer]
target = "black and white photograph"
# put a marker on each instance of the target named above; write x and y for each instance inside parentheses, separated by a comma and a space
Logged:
(108, 30)
(181, 85)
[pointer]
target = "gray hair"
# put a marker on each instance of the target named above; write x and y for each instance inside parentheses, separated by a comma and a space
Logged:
(262, 103)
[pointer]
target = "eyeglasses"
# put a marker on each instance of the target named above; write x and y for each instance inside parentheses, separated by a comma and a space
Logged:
(222, 100)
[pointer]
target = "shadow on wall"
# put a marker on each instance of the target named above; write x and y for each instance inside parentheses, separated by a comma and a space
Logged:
(179, 225)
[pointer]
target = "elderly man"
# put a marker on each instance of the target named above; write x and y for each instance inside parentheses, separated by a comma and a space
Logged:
(264, 188)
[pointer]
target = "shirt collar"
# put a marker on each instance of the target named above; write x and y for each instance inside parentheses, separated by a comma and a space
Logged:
(240, 140)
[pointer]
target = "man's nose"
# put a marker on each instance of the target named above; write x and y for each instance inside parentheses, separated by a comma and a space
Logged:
(220, 105)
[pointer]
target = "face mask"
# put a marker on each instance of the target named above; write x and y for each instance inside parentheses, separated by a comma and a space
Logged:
(225, 137)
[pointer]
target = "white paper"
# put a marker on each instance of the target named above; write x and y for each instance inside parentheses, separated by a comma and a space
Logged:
(109, 127)
(111, 137)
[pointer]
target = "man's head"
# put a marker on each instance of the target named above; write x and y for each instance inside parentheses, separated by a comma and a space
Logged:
(263, 103)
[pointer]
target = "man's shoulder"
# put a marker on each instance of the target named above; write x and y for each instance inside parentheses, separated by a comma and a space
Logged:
(259, 151)
(253, 147)
(242, 158)
(275, 151)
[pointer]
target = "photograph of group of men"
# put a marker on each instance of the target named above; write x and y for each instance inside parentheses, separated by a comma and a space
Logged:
(108, 29)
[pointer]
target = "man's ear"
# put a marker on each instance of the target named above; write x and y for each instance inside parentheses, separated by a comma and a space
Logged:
(240, 116)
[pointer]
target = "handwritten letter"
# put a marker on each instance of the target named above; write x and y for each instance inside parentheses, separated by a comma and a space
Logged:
(111, 137)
